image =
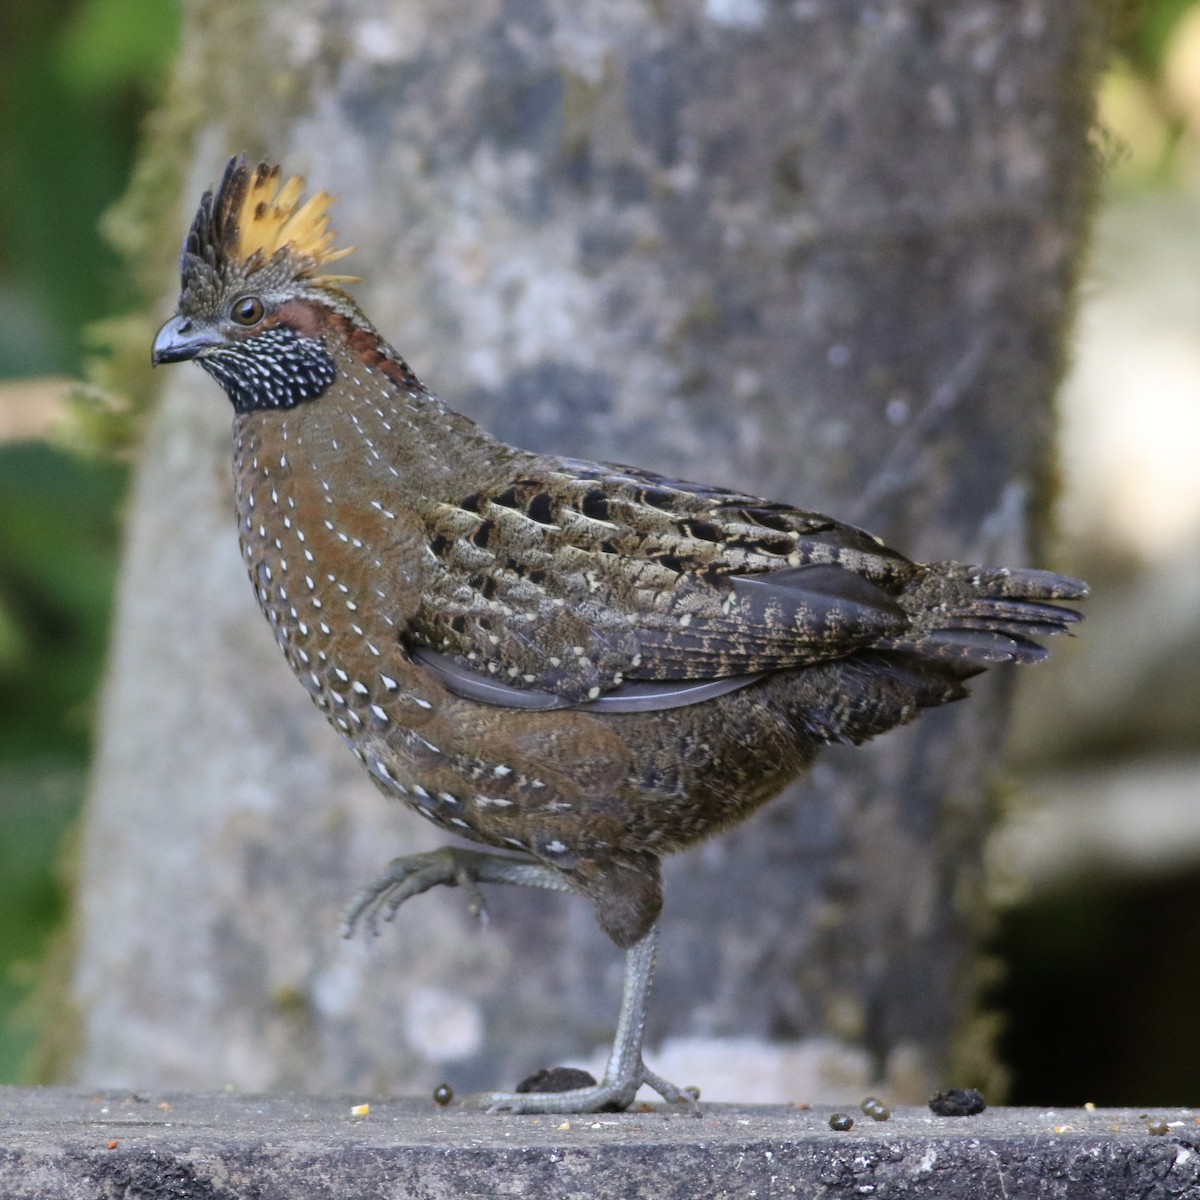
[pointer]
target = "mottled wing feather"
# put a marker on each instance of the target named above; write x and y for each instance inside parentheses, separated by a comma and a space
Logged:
(572, 578)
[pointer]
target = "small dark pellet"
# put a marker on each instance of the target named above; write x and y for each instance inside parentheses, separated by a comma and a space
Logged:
(841, 1122)
(443, 1094)
(957, 1102)
(556, 1079)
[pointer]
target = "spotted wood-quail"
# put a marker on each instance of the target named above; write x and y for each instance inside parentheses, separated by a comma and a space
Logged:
(586, 666)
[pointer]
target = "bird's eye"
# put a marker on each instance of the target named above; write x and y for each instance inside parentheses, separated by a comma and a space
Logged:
(247, 311)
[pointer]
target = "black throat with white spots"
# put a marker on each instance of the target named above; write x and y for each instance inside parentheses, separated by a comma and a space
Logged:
(278, 368)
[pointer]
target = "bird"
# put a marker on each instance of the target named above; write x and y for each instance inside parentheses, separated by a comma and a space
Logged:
(583, 667)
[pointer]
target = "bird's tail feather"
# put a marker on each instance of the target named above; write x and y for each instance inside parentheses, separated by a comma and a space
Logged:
(982, 616)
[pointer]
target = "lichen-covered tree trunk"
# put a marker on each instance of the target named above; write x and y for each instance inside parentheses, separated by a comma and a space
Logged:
(820, 251)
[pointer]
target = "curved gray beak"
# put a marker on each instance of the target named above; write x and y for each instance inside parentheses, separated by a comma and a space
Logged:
(180, 339)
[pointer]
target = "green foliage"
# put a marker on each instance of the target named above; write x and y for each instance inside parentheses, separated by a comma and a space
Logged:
(75, 83)
(106, 410)
(108, 45)
(1148, 122)
(41, 801)
(76, 77)
(58, 544)
(58, 558)
(1147, 30)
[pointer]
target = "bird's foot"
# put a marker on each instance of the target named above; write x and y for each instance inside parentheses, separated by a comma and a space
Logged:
(450, 866)
(610, 1095)
(409, 876)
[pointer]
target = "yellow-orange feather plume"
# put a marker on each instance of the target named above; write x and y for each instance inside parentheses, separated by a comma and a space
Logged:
(271, 218)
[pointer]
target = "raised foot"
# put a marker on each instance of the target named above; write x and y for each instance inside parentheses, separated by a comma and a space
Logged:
(610, 1095)
(450, 866)
(409, 876)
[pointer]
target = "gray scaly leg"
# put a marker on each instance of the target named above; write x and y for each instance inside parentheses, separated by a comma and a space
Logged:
(450, 866)
(625, 1072)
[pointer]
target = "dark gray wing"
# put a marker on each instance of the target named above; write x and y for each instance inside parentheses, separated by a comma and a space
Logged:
(630, 697)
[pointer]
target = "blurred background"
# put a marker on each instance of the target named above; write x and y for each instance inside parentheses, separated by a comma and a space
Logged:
(1096, 864)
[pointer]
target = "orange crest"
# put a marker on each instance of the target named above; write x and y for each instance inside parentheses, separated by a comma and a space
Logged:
(272, 218)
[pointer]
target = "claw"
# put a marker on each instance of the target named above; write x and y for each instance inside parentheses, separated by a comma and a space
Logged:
(476, 904)
(400, 880)
(611, 1095)
(413, 874)
(625, 1072)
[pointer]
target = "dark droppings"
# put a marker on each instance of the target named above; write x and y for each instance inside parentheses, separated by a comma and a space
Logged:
(556, 1079)
(957, 1102)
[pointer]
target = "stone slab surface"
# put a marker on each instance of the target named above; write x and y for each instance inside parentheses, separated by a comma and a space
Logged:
(76, 1144)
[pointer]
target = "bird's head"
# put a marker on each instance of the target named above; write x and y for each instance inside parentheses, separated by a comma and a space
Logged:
(256, 298)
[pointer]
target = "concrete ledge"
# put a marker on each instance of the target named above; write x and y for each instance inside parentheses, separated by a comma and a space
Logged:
(72, 1143)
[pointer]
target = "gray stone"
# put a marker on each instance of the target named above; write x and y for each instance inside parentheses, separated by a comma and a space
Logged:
(59, 1144)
